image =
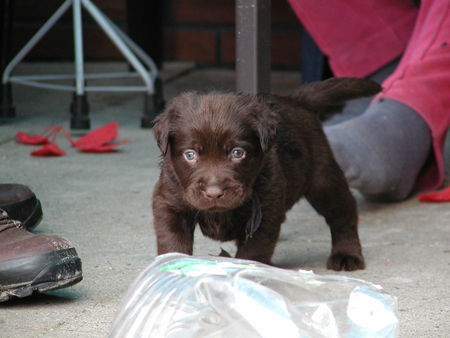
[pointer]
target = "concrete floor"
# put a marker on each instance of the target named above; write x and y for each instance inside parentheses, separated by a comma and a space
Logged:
(102, 204)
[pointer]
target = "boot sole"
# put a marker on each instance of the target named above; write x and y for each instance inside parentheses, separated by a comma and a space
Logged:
(54, 270)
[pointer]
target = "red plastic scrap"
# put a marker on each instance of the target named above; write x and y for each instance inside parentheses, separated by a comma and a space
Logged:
(103, 148)
(42, 138)
(437, 196)
(49, 149)
(31, 139)
(46, 139)
(97, 140)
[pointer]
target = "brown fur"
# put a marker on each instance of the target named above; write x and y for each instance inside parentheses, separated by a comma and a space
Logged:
(245, 198)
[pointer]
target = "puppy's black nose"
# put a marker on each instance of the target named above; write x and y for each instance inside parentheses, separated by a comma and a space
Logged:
(213, 191)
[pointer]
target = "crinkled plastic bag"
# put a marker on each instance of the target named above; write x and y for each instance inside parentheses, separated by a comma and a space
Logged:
(184, 296)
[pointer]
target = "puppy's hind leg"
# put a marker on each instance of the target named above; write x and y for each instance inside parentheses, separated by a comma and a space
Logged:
(330, 197)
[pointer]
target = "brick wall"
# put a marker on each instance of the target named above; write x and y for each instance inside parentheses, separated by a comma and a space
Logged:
(194, 30)
(203, 31)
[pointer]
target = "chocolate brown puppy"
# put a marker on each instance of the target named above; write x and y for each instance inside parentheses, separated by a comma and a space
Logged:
(235, 164)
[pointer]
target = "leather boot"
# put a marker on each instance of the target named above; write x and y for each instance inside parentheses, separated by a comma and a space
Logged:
(21, 204)
(30, 262)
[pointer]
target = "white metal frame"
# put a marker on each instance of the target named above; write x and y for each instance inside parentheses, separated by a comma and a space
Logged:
(143, 65)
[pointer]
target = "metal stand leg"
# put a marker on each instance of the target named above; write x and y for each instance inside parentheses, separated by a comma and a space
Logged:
(143, 65)
(79, 107)
(6, 102)
(79, 110)
(153, 105)
(118, 41)
(253, 46)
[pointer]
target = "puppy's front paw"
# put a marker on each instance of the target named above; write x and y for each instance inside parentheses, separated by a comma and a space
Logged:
(344, 261)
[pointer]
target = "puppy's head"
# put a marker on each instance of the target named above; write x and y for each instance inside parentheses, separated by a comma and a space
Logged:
(215, 145)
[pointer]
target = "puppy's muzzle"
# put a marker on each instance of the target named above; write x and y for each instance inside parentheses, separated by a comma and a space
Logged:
(213, 189)
(215, 193)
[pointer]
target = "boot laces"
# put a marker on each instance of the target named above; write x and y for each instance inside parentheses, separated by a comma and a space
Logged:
(6, 221)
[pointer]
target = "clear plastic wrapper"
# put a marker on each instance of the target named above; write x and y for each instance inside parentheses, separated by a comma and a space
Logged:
(185, 296)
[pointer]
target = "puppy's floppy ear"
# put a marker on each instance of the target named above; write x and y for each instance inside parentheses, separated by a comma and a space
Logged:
(164, 124)
(265, 123)
(161, 130)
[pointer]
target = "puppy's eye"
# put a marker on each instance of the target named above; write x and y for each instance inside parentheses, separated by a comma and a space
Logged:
(238, 153)
(190, 155)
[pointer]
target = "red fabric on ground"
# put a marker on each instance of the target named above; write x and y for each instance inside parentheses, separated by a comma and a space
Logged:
(31, 139)
(42, 138)
(103, 148)
(49, 149)
(98, 138)
(97, 141)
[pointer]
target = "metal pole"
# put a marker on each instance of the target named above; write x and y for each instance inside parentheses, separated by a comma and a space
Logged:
(78, 38)
(253, 46)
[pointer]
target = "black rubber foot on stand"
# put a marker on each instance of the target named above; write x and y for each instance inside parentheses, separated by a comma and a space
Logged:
(153, 105)
(6, 106)
(79, 109)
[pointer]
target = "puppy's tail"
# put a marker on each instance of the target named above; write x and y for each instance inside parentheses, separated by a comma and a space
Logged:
(324, 96)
